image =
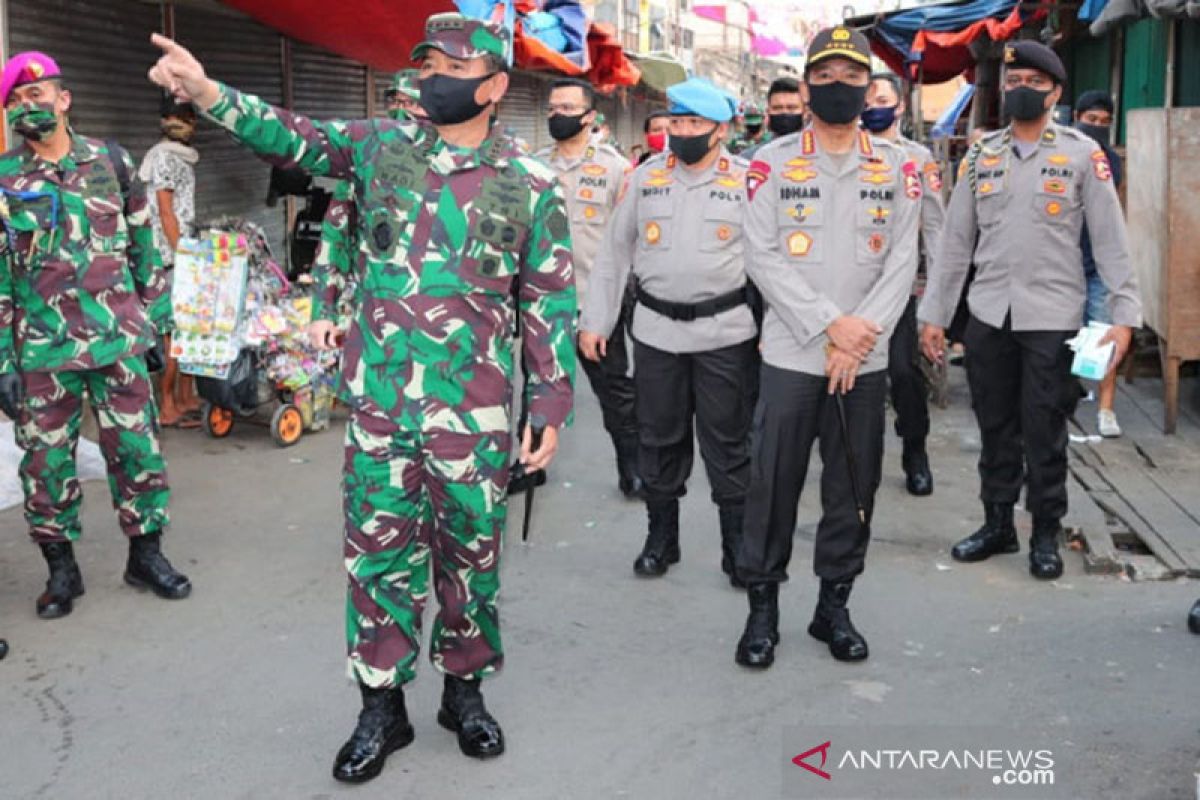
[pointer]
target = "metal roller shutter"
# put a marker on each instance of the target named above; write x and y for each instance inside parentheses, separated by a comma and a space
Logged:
(103, 49)
(521, 110)
(245, 55)
(327, 86)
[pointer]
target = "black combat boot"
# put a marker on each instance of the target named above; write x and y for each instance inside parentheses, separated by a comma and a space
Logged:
(629, 479)
(731, 541)
(831, 622)
(662, 544)
(1194, 618)
(462, 711)
(1044, 561)
(917, 477)
(756, 648)
(382, 729)
(148, 568)
(65, 582)
(998, 535)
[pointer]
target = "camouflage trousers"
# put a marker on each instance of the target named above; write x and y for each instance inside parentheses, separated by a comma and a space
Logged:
(418, 502)
(123, 402)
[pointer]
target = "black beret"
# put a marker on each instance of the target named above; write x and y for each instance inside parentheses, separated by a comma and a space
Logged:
(1027, 54)
(1094, 98)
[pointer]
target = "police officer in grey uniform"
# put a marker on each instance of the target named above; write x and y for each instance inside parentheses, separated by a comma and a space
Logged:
(592, 176)
(831, 232)
(1027, 191)
(909, 389)
(680, 227)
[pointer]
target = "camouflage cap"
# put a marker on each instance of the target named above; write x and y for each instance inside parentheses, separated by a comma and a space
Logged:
(406, 83)
(462, 37)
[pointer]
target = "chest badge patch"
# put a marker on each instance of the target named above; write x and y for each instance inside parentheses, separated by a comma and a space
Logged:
(799, 244)
(724, 233)
(875, 242)
(1054, 208)
(1054, 186)
(653, 233)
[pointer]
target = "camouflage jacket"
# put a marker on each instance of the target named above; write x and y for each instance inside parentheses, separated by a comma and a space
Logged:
(336, 268)
(447, 234)
(80, 277)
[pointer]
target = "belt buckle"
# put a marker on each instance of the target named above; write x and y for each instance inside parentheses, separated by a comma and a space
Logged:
(687, 313)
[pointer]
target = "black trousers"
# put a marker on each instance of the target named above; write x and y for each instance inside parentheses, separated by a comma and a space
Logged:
(713, 388)
(910, 392)
(613, 385)
(794, 411)
(1023, 393)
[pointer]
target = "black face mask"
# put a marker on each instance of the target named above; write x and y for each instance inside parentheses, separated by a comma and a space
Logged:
(451, 101)
(837, 103)
(1025, 103)
(1101, 133)
(691, 149)
(752, 130)
(783, 124)
(563, 127)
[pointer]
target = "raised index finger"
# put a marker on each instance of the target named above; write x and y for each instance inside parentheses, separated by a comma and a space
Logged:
(164, 43)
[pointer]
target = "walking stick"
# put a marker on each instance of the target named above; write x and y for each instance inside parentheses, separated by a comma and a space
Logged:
(858, 502)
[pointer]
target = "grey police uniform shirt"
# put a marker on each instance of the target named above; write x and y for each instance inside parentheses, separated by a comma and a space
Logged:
(933, 208)
(591, 183)
(681, 233)
(826, 237)
(1028, 209)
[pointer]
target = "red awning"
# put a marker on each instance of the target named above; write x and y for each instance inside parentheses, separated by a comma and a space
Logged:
(382, 34)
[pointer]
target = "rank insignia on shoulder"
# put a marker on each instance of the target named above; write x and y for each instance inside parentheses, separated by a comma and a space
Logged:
(756, 176)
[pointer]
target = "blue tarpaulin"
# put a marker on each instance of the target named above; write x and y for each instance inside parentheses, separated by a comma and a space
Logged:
(1091, 9)
(899, 29)
(945, 123)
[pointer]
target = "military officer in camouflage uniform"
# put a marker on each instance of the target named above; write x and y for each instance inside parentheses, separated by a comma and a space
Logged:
(1018, 212)
(909, 389)
(831, 230)
(752, 132)
(592, 176)
(337, 267)
(679, 227)
(82, 296)
(459, 234)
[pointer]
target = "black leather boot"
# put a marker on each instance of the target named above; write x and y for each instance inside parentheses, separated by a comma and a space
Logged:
(831, 623)
(462, 711)
(662, 543)
(629, 479)
(1194, 618)
(65, 582)
(731, 540)
(1044, 561)
(382, 729)
(917, 477)
(756, 648)
(998, 535)
(148, 568)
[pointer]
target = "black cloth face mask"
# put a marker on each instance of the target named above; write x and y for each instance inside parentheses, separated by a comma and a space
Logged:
(1025, 103)
(837, 103)
(783, 124)
(691, 149)
(451, 101)
(563, 127)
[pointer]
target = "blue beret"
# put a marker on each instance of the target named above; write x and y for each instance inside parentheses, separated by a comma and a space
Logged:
(698, 97)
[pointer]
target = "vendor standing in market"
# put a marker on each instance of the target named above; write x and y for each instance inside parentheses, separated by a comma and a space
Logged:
(82, 297)
(462, 234)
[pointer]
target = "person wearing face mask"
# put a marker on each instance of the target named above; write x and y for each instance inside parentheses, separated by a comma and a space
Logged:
(679, 230)
(785, 113)
(463, 234)
(169, 173)
(592, 176)
(752, 129)
(338, 262)
(83, 298)
(909, 389)
(656, 130)
(1019, 211)
(831, 231)
(1093, 116)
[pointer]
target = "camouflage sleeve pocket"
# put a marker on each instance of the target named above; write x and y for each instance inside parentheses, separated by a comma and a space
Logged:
(494, 247)
(108, 230)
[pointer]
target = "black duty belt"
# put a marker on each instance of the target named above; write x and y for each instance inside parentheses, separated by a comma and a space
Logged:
(687, 312)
